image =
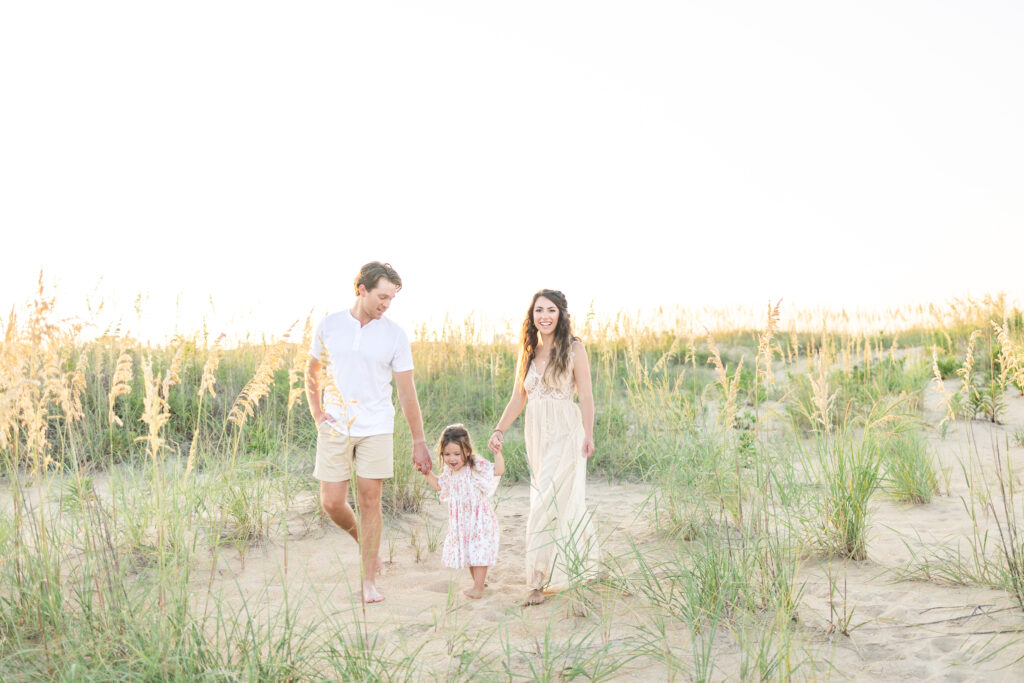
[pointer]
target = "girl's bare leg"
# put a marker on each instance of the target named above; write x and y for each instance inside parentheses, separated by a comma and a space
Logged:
(479, 576)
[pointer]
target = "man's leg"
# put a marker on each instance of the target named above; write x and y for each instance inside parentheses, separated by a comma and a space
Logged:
(334, 470)
(368, 493)
(334, 501)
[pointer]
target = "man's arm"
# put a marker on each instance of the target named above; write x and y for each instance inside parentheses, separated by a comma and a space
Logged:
(411, 409)
(313, 390)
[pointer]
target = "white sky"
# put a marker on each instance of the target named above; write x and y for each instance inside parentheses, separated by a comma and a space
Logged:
(632, 154)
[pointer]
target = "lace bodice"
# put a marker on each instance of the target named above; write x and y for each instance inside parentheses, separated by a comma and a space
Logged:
(536, 387)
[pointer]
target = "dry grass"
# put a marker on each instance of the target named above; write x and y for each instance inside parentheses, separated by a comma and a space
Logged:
(214, 444)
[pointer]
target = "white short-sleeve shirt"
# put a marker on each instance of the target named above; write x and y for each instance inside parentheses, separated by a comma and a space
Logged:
(362, 359)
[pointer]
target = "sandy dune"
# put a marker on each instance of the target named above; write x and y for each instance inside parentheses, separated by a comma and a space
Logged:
(899, 630)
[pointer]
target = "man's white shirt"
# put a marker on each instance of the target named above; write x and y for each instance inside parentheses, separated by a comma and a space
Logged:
(361, 358)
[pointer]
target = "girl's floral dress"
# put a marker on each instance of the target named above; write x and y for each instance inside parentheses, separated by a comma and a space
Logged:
(472, 539)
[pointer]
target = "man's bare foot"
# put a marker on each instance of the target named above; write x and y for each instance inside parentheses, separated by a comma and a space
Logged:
(371, 594)
(535, 597)
(474, 592)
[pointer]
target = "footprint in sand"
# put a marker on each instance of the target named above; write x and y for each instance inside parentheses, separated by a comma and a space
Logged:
(495, 615)
(946, 645)
(438, 587)
(412, 630)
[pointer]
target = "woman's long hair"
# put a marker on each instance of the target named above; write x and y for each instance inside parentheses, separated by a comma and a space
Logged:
(558, 365)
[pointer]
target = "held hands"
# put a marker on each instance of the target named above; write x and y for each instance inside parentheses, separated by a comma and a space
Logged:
(588, 447)
(496, 441)
(421, 458)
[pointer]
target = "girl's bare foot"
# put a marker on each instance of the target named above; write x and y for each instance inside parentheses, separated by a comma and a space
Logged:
(380, 565)
(474, 592)
(535, 597)
(371, 594)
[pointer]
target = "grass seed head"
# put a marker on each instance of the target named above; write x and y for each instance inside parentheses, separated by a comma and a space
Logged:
(121, 385)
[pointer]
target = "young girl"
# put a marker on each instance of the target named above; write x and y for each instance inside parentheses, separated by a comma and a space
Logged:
(466, 482)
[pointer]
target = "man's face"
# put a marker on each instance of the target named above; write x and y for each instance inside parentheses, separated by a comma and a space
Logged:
(376, 301)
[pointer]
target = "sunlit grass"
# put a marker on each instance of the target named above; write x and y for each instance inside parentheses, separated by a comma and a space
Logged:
(133, 472)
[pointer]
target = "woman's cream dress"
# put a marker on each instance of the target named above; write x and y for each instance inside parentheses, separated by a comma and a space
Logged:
(561, 546)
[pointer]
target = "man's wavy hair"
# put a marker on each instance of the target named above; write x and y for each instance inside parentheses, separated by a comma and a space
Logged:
(370, 274)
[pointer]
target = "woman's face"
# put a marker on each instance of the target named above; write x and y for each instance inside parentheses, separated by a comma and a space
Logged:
(545, 315)
(453, 457)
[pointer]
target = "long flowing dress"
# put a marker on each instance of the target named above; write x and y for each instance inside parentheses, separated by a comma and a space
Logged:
(561, 546)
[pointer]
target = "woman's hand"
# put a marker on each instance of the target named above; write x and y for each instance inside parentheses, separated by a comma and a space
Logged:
(588, 447)
(496, 441)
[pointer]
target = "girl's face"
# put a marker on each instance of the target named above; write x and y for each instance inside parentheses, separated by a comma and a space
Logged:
(545, 315)
(453, 456)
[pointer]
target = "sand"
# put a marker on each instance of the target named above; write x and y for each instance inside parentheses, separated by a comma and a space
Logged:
(896, 629)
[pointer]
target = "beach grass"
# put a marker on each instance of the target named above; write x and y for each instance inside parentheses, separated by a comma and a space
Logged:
(138, 479)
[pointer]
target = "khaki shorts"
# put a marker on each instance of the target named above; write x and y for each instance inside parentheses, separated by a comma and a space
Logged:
(373, 456)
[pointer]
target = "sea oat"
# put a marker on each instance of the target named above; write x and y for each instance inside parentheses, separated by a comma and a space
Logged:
(297, 368)
(945, 403)
(663, 360)
(155, 411)
(765, 351)
(120, 385)
(173, 376)
(329, 387)
(823, 400)
(209, 377)
(72, 387)
(729, 389)
(260, 384)
(966, 371)
(1011, 357)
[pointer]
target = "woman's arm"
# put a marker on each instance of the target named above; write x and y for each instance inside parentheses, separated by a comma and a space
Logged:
(585, 391)
(512, 410)
(499, 463)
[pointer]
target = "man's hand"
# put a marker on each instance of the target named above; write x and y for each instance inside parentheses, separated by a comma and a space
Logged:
(421, 458)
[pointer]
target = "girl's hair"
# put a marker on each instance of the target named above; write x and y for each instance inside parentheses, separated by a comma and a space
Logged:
(456, 434)
(558, 365)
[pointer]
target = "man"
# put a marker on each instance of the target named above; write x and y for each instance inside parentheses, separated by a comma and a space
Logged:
(362, 350)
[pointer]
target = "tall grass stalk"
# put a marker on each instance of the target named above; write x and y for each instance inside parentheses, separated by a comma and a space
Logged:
(121, 461)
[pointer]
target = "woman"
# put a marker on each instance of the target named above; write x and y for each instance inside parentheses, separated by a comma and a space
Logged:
(560, 539)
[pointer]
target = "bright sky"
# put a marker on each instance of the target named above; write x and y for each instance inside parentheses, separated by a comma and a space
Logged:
(631, 154)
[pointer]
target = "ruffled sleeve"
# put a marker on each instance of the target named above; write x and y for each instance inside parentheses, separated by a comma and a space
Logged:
(484, 480)
(444, 482)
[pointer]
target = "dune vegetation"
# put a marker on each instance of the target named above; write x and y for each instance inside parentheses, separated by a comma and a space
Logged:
(819, 495)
